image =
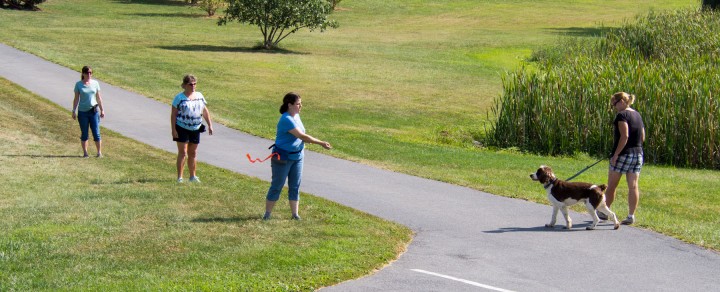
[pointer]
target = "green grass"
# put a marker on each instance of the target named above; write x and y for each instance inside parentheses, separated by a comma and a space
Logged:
(122, 223)
(402, 85)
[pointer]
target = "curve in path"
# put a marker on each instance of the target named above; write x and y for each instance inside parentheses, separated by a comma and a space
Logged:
(465, 239)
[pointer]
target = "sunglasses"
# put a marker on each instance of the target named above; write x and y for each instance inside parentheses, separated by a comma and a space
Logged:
(88, 72)
(616, 102)
(192, 84)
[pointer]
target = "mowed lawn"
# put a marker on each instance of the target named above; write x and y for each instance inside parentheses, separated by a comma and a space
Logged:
(122, 223)
(402, 85)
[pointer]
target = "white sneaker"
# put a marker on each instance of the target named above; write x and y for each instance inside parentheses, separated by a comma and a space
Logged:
(180, 180)
(194, 179)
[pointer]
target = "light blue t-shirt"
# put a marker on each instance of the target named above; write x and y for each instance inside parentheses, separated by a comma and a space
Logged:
(287, 141)
(190, 112)
(87, 98)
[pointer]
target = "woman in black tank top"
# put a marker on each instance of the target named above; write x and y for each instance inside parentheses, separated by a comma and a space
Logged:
(627, 157)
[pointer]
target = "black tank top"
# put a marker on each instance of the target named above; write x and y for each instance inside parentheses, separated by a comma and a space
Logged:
(635, 130)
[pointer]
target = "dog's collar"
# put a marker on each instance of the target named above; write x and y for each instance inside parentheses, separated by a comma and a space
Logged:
(547, 185)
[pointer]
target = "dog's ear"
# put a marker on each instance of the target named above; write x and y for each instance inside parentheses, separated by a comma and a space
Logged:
(541, 174)
(546, 173)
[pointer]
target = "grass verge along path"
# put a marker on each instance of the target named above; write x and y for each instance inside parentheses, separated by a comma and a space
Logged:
(122, 223)
(403, 85)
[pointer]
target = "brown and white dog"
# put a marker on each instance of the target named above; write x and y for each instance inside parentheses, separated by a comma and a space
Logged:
(563, 194)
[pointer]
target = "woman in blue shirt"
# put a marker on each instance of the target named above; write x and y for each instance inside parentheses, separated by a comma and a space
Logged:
(289, 144)
(89, 106)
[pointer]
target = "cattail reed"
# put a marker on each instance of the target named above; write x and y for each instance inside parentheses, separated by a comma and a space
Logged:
(559, 105)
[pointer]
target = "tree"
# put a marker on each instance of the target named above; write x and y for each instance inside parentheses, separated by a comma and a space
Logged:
(277, 19)
(21, 4)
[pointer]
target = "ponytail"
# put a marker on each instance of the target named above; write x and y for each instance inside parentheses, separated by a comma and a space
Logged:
(629, 99)
(289, 98)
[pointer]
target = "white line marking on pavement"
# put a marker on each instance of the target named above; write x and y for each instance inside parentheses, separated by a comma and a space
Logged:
(462, 280)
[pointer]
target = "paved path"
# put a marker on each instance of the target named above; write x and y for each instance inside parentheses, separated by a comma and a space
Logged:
(465, 240)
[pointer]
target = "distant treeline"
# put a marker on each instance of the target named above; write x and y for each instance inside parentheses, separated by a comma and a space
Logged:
(559, 104)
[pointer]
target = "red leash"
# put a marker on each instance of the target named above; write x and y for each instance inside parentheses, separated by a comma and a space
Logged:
(262, 160)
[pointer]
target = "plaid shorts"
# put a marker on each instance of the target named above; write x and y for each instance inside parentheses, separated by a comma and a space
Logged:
(626, 163)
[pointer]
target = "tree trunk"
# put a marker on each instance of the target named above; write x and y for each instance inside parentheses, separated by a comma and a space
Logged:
(268, 44)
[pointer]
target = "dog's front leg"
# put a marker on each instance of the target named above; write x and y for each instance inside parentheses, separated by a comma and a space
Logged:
(606, 210)
(568, 221)
(554, 217)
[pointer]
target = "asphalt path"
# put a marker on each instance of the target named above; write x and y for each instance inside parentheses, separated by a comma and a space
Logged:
(465, 240)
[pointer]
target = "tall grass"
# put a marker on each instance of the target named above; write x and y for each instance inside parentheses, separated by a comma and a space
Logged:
(670, 61)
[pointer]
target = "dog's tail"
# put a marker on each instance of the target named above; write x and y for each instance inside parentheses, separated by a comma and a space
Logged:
(602, 187)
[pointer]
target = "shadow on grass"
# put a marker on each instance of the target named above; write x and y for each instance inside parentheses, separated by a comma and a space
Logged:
(42, 156)
(154, 2)
(177, 14)
(127, 181)
(208, 48)
(580, 31)
(225, 220)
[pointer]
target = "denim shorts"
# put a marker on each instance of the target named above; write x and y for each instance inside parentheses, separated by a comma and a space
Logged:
(185, 135)
(628, 163)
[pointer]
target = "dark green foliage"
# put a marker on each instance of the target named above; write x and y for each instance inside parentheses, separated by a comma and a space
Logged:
(670, 61)
(277, 19)
(21, 4)
(711, 4)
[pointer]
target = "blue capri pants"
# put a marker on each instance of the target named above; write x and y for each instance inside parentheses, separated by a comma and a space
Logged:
(290, 170)
(89, 119)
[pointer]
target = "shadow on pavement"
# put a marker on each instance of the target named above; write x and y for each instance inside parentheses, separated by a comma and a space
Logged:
(559, 227)
(42, 156)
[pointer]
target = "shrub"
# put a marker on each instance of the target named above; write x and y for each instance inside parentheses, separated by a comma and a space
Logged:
(21, 4)
(711, 4)
(211, 6)
(670, 61)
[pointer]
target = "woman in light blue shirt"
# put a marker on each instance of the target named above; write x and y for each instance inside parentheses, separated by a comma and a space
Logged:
(288, 163)
(89, 106)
